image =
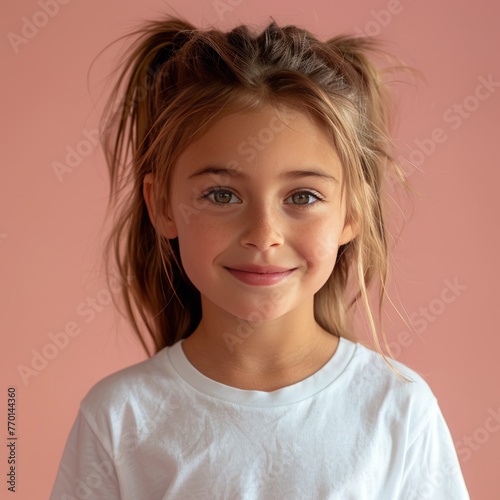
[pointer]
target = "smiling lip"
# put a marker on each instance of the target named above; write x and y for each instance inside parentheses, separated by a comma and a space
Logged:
(260, 275)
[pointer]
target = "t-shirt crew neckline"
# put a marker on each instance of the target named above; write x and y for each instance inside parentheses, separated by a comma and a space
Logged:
(291, 394)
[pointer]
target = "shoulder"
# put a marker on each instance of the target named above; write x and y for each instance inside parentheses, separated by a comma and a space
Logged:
(371, 379)
(126, 391)
(131, 405)
(369, 366)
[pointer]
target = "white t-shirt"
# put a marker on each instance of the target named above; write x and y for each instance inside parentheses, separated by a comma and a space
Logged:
(352, 430)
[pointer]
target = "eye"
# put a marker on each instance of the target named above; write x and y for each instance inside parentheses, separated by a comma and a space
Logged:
(221, 196)
(304, 198)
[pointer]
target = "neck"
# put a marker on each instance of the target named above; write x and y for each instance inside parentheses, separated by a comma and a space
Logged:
(250, 354)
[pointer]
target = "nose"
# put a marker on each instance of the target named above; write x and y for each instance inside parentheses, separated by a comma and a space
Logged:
(262, 228)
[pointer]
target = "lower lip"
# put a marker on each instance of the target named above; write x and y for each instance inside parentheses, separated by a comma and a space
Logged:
(260, 279)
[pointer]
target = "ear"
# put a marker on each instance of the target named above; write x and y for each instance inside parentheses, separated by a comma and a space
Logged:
(163, 223)
(349, 232)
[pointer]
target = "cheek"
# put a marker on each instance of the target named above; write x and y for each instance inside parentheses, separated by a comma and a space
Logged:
(320, 244)
(200, 243)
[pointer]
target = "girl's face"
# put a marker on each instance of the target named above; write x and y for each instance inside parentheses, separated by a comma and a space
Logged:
(255, 204)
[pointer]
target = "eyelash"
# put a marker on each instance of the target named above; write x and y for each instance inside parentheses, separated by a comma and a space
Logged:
(305, 206)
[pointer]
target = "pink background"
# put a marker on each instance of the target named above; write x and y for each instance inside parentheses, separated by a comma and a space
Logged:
(51, 229)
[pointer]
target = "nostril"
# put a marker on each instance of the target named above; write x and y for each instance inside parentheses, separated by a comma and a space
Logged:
(261, 236)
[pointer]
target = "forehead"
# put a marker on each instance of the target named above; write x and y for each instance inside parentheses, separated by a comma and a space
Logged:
(275, 138)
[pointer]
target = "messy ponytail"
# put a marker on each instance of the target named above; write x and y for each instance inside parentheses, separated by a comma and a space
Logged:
(148, 266)
(177, 81)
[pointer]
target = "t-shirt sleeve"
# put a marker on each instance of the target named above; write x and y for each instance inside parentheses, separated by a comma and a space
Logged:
(432, 469)
(86, 469)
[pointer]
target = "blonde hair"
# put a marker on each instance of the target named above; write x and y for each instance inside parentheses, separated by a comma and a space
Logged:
(178, 80)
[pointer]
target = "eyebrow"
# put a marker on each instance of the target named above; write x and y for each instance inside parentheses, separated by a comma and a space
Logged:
(290, 174)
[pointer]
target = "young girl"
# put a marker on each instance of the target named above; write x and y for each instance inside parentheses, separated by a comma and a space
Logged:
(257, 168)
